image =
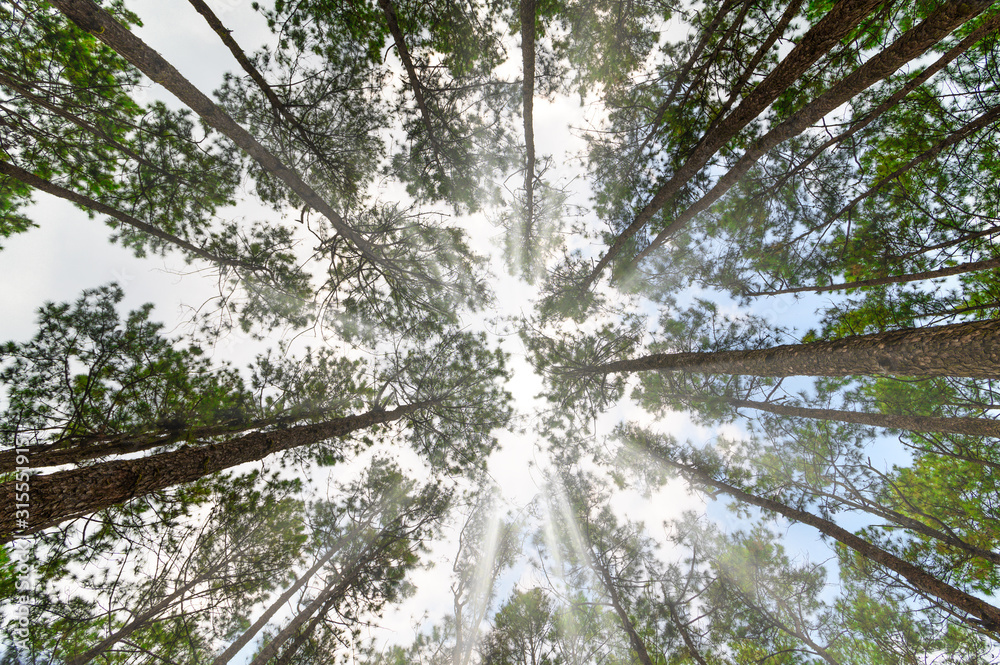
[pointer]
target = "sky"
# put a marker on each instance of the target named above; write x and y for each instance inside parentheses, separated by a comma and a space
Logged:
(70, 253)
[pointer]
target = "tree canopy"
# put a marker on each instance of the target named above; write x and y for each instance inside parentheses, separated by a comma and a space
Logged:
(668, 330)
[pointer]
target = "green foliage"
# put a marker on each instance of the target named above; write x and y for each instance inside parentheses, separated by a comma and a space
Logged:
(72, 120)
(454, 48)
(88, 375)
(223, 564)
(459, 379)
(895, 177)
(523, 631)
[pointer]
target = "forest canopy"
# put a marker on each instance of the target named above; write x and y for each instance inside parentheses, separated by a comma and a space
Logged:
(538, 333)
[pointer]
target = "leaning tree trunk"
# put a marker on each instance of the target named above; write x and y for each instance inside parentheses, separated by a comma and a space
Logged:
(23, 90)
(818, 41)
(321, 605)
(261, 621)
(911, 423)
(961, 349)
(960, 269)
(399, 39)
(60, 496)
(73, 450)
(299, 640)
(987, 615)
(90, 17)
(683, 629)
(765, 47)
(634, 639)
(708, 34)
(32, 180)
(909, 46)
(979, 34)
(527, 10)
(337, 586)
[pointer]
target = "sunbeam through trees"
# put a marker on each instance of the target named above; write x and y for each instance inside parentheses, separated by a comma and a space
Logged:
(496, 332)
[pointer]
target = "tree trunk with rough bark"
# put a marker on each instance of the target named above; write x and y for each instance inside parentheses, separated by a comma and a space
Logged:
(909, 46)
(825, 35)
(961, 349)
(976, 36)
(80, 449)
(910, 423)
(987, 615)
(60, 496)
(90, 17)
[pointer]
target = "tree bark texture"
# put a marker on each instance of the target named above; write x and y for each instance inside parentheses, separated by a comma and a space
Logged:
(987, 615)
(961, 349)
(90, 17)
(67, 494)
(73, 450)
(827, 33)
(910, 45)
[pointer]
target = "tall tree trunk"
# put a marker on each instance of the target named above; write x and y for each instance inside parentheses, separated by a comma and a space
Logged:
(976, 36)
(297, 628)
(682, 628)
(80, 449)
(910, 45)
(278, 108)
(852, 497)
(911, 423)
(337, 587)
(527, 11)
(961, 269)
(143, 619)
(399, 39)
(304, 634)
(90, 17)
(28, 178)
(968, 426)
(779, 29)
(634, 639)
(682, 76)
(226, 36)
(827, 33)
(252, 631)
(961, 349)
(988, 615)
(60, 496)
